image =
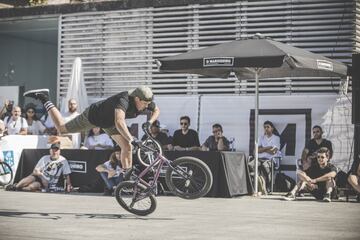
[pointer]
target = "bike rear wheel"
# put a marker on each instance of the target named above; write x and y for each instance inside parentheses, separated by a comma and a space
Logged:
(6, 174)
(190, 178)
(134, 198)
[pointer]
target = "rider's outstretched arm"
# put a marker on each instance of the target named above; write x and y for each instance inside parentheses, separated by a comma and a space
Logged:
(155, 114)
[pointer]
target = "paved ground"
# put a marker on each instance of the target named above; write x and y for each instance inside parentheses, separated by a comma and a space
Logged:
(74, 216)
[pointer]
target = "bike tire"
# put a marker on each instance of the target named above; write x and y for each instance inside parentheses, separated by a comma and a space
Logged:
(198, 182)
(6, 174)
(124, 193)
(143, 155)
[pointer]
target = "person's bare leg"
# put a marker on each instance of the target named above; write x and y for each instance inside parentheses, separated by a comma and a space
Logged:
(35, 186)
(25, 182)
(354, 182)
(330, 184)
(126, 151)
(58, 120)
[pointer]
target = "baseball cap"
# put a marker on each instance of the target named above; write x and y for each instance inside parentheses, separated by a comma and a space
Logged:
(55, 145)
(142, 92)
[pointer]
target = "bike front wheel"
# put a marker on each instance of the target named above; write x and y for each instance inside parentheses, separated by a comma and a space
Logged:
(135, 198)
(189, 178)
(6, 174)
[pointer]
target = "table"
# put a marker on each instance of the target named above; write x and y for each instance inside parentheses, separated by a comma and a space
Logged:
(229, 169)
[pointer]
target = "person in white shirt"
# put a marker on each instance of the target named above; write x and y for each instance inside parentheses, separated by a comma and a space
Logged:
(16, 124)
(46, 173)
(35, 127)
(98, 139)
(269, 148)
(72, 113)
(110, 172)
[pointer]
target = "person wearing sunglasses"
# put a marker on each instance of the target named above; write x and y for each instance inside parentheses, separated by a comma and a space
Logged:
(108, 114)
(308, 156)
(185, 139)
(35, 126)
(318, 179)
(217, 141)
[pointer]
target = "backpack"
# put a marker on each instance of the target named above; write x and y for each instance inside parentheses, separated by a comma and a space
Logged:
(283, 183)
(8, 120)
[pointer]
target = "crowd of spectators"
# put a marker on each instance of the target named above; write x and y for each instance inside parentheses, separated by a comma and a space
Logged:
(316, 174)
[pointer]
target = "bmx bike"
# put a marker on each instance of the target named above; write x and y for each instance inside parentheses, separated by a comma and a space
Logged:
(186, 177)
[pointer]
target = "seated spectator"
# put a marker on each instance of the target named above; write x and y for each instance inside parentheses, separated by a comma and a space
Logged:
(110, 172)
(7, 109)
(161, 137)
(216, 142)
(50, 128)
(269, 145)
(46, 173)
(72, 110)
(98, 139)
(185, 138)
(35, 127)
(354, 178)
(318, 179)
(16, 124)
(308, 156)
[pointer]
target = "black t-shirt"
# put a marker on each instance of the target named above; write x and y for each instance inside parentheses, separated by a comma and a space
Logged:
(316, 171)
(162, 138)
(102, 113)
(191, 139)
(212, 144)
(312, 146)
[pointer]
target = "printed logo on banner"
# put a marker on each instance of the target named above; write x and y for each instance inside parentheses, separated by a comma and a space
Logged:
(77, 166)
(218, 61)
(9, 157)
(325, 65)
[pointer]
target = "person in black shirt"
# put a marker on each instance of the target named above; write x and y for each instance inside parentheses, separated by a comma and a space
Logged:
(161, 137)
(318, 179)
(109, 114)
(185, 138)
(308, 156)
(216, 142)
(354, 177)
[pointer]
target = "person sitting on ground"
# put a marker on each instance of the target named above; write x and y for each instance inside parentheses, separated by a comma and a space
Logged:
(186, 138)
(354, 178)
(318, 179)
(268, 149)
(161, 137)
(216, 142)
(35, 127)
(308, 156)
(110, 172)
(46, 173)
(16, 125)
(109, 114)
(98, 139)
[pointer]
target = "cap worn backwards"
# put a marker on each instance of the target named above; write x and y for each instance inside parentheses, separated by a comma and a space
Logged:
(55, 145)
(143, 93)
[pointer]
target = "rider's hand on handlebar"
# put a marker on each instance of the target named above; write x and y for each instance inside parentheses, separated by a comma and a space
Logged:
(146, 126)
(136, 143)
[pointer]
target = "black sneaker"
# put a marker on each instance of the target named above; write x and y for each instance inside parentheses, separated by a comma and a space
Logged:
(38, 94)
(10, 187)
(127, 174)
(289, 197)
(327, 197)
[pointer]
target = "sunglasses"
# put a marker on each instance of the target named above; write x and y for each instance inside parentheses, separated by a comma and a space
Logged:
(183, 123)
(322, 157)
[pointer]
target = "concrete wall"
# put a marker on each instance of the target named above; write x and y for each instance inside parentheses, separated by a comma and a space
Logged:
(35, 64)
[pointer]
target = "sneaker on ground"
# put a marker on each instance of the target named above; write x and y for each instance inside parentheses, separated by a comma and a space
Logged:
(10, 187)
(38, 94)
(289, 197)
(327, 197)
